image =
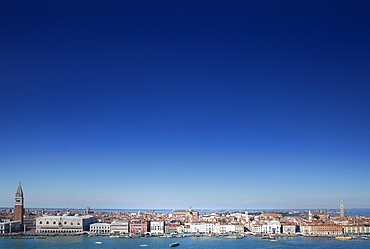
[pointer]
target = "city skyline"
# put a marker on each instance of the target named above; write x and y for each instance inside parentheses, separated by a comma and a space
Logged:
(144, 104)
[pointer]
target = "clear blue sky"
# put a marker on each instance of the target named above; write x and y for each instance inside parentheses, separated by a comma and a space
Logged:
(171, 104)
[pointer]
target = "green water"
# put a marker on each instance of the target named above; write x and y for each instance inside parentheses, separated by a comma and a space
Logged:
(82, 242)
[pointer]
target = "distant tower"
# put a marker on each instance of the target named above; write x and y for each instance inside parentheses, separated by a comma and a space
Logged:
(18, 204)
(341, 208)
(309, 215)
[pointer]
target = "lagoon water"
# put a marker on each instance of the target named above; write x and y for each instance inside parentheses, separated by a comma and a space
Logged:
(84, 242)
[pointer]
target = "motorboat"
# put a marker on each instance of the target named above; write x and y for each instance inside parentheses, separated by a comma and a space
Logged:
(174, 244)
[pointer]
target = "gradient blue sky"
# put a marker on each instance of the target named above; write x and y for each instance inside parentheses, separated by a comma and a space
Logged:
(171, 104)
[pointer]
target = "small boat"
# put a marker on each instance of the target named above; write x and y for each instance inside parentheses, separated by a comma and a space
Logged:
(98, 242)
(265, 236)
(174, 244)
(365, 238)
(343, 237)
(272, 236)
(143, 245)
(235, 237)
(22, 237)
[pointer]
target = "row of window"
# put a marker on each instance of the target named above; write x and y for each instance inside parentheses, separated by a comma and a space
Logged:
(60, 231)
(54, 223)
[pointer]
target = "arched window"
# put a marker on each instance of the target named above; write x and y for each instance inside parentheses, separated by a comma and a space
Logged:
(71, 223)
(54, 223)
(65, 223)
(40, 222)
(47, 222)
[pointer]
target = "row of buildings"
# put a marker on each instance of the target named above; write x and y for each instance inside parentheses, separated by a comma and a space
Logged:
(150, 223)
(121, 227)
(184, 221)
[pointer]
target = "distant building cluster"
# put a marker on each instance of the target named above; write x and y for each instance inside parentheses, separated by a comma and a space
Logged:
(179, 222)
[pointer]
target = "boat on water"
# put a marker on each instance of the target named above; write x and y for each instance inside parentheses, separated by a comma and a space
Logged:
(22, 237)
(343, 237)
(272, 236)
(98, 242)
(365, 238)
(114, 236)
(143, 245)
(235, 237)
(265, 236)
(269, 236)
(174, 244)
(166, 236)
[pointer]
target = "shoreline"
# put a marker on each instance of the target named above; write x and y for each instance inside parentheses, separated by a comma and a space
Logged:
(164, 236)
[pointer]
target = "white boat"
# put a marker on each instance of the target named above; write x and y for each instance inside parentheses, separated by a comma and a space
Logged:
(98, 242)
(272, 236)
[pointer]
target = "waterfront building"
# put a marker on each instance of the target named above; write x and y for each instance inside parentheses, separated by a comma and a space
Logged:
(120, 227)
(157, 227)
(100, 228)
(139, 227)
(19, 205)
(203, 228)
(256, 228)
(172, 228)
(229, 228)
(288, 228)
(362, 230)
(9, 227)
(271, 226)
(64, 223)
(322, 229)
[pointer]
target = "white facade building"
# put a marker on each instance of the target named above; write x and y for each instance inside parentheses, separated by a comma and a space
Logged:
(257, 228)
(229, 228)
(305, 229)
(272, 226)
(100, 228)
(289, 229)
(157, 227)
(120, 227)
(203, 228)
(9, 227)
(64, 224)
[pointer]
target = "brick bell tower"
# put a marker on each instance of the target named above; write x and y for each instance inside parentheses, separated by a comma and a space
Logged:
(18, 204)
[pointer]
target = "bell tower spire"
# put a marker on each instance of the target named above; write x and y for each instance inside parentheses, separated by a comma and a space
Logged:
(19, 204)
(341, 208)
